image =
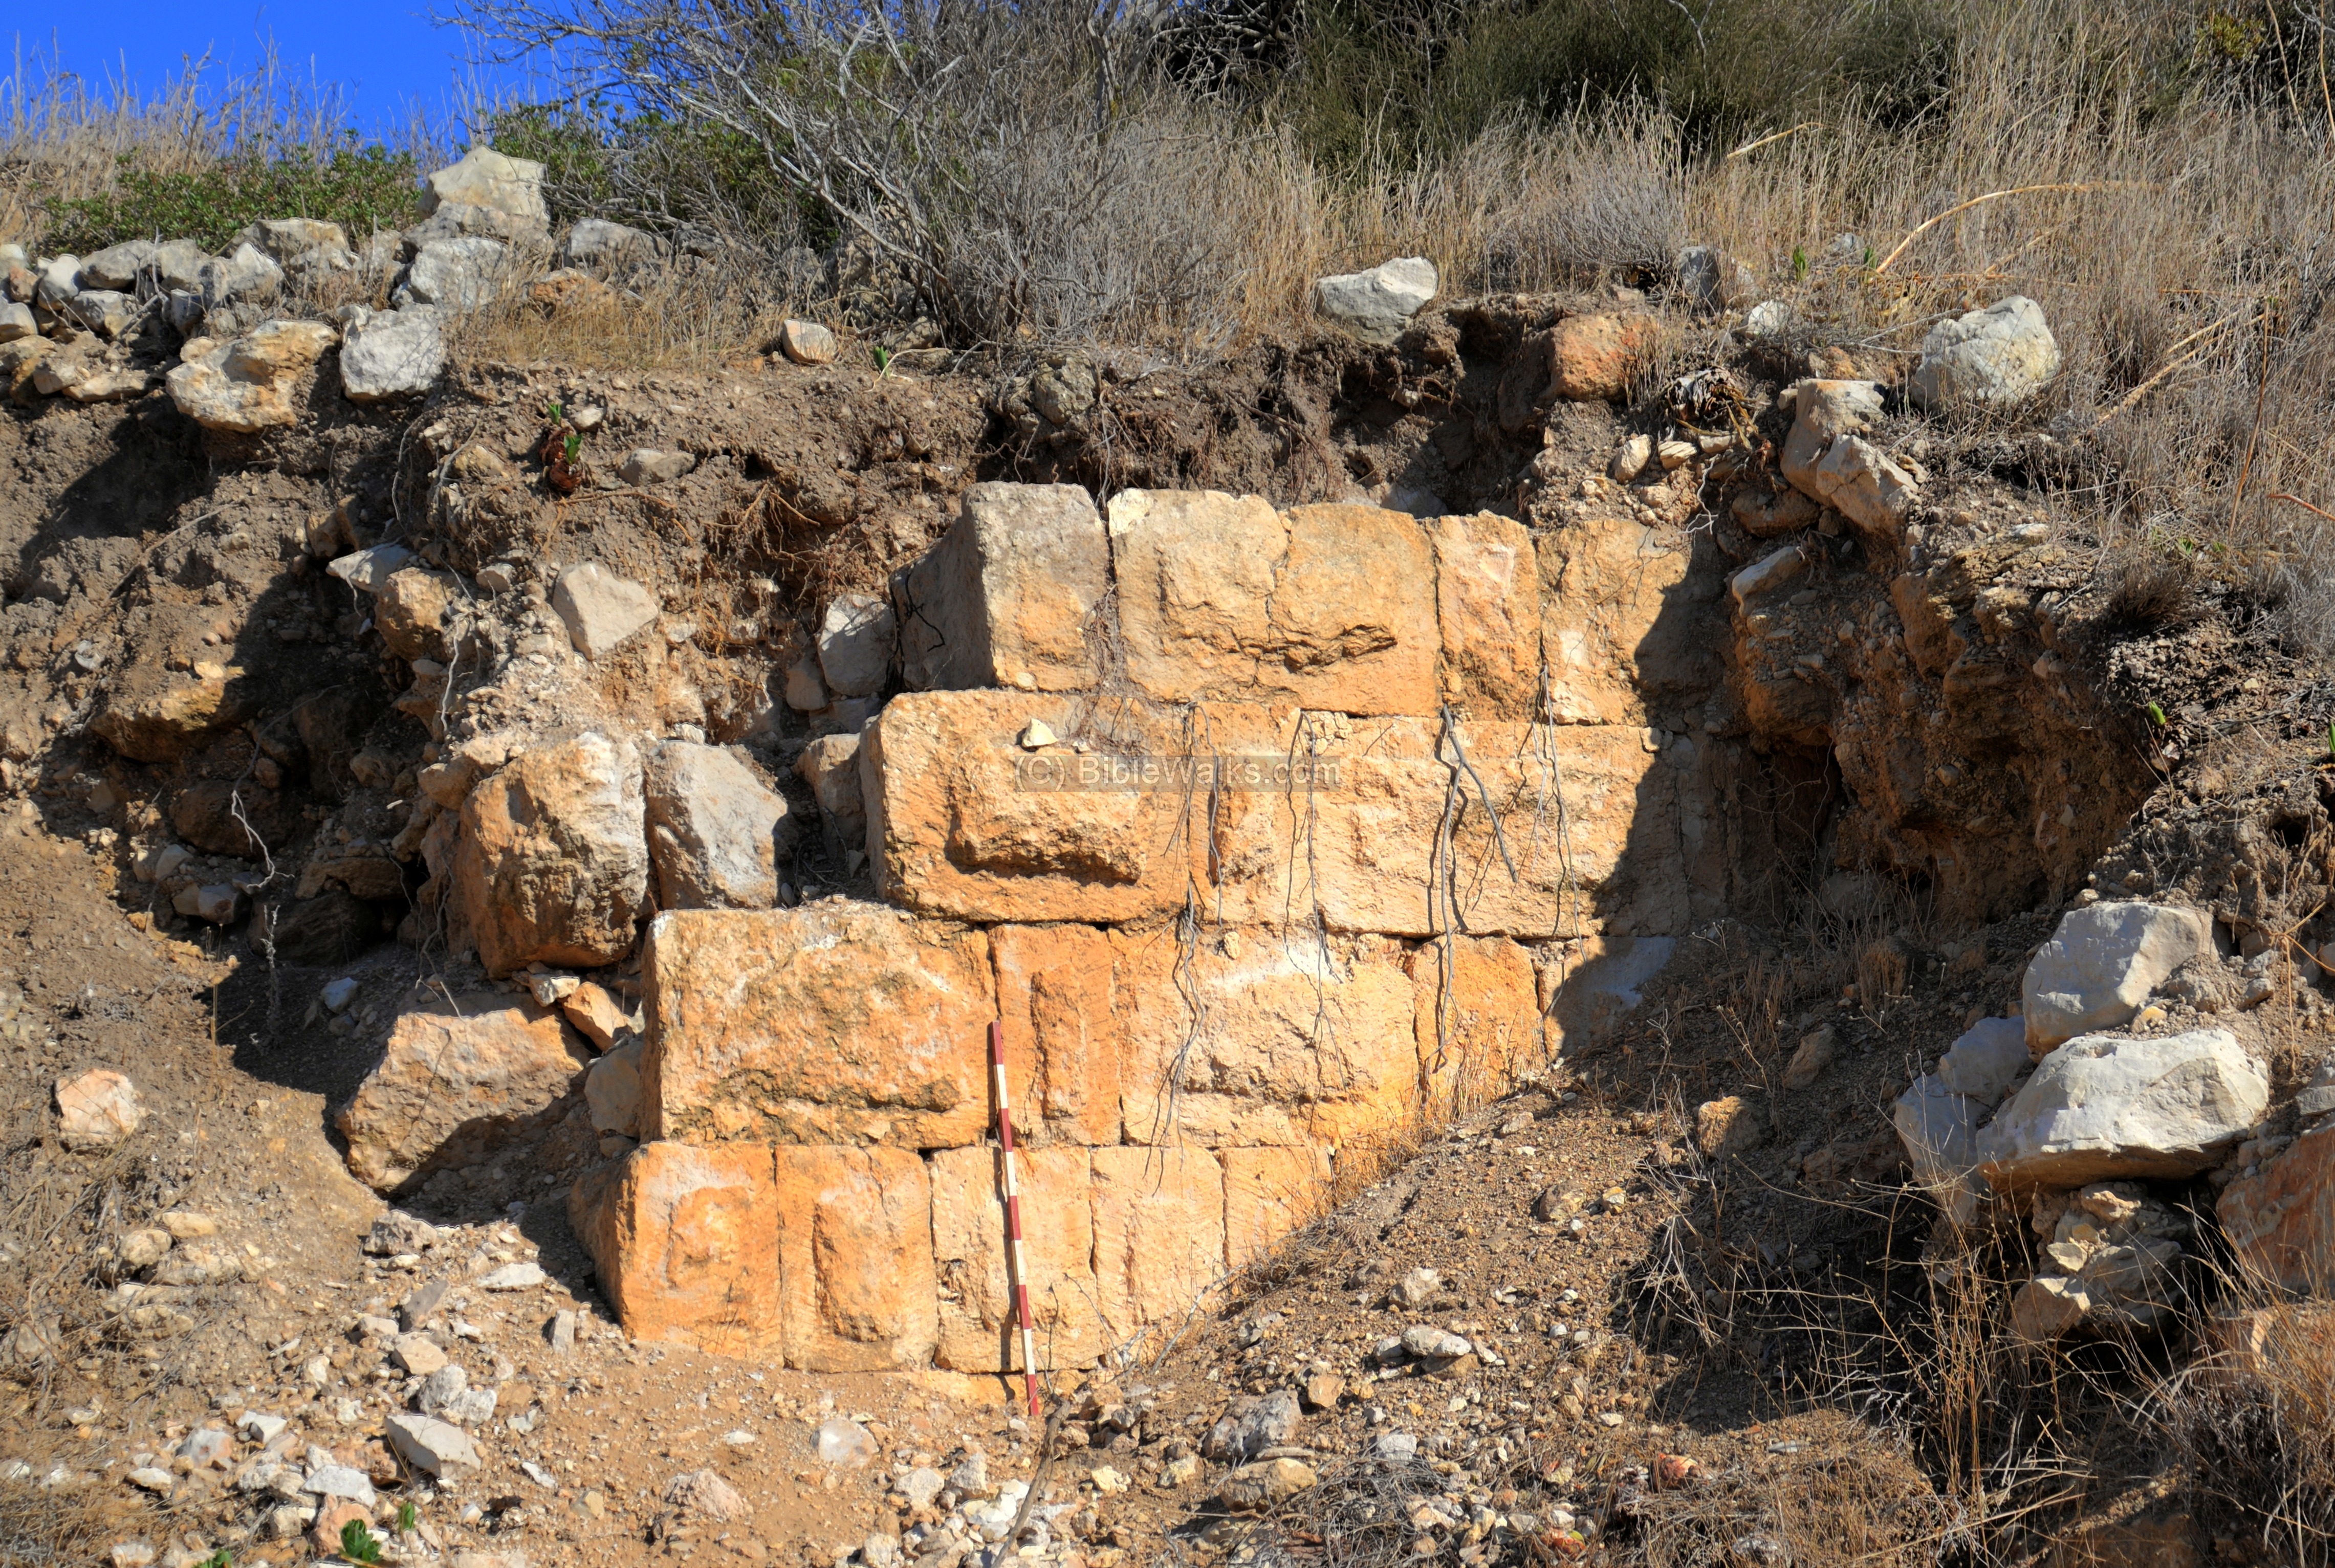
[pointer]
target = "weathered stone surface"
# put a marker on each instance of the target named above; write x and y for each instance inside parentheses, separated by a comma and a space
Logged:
(1289, 1044)
(600, 609)
(391, 354)
(432, 1447)
(716, 832)
(855, 644)
(1939, 1128)
(1487, 604)
(686, 1244)
(117, 265)
(281, 238)
(1063, 1050)
(1004, 598)
(654, 466)
(1770, 571)
(552, 864)
(1360, 847)
(454, 1080)
(962, 821)
(1377, 305)
(2102, 962)
(369, 571)
(462, 274)
(704, 1494)
(1986, 1059)
(1728, 1126)
(2101, 1108)
(247, 278)
(151, 714)
(2281, 1219)
(1827, 458)
(409, 612)
(1594, 358)
(1255, 1488)
(807, 342)
(830, 766)
(595, 242)
(977, 1326)
(485, 177)
(594, 1011)
(1269, 1193)
(250, 385)
(835, 1021)
(1221, 596)
(1987, 358)
(1477, 1018)
(856, 1290)
(612, 1090)
(16, 321)
(1158, 1234)
(1710, 280)
(97, 1109)
(1618, 621)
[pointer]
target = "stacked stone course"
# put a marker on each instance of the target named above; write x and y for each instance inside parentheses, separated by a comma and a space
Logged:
(1215, 999)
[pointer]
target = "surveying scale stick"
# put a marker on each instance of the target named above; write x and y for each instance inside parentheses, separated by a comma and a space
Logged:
(1017, 1267)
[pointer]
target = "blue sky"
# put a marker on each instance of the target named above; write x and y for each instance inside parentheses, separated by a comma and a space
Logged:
(386, 57)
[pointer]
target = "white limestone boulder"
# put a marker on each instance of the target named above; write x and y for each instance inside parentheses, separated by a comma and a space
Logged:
(1377, 305)
(1988, 358)
(2103, 1108)
(1986, 1059)
(391, 354)
(2102, 962)
(1940, 1131)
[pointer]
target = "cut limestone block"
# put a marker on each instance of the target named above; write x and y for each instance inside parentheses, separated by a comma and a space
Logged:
(1269, 1193)
(553, 864)
(2281, 1219)
(2102, 962)
(837, 1021)
(686, 1244)
(1292, 1041)
(1159, 1234)
(1620, 621)
(1487, 604)
(977, 1326)
(1222, 596)
(965, 821)
(1007, 597)
(1062, 1047)
(1477, 1015)
(456, 1079)
(2102, 1107)
(856, 1285)
(1363, 845)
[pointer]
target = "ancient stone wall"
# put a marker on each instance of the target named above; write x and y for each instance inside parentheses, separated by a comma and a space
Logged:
(1267, 834)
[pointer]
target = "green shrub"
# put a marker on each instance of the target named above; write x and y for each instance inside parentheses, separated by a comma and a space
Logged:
(361, 188)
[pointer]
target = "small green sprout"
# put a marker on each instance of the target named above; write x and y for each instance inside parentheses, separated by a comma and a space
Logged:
(2156, 716)
(406, 1517)
(358, 1543)
(883, 360)
(571, 446)
(554, 413)
(1799, 263)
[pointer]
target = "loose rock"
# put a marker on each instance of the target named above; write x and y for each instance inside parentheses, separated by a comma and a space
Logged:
(1377, 305)
(96, 1110)
(1988, 358)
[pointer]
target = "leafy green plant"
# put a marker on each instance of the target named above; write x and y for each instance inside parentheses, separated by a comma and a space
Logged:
(406, 1517)
(219, 1559)
(1799, 263)
(571, 446)
(358, 1543)
(359, 187)
(553, 413)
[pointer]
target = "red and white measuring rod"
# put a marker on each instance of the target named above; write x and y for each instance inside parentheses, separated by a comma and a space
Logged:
(1017, 1265)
